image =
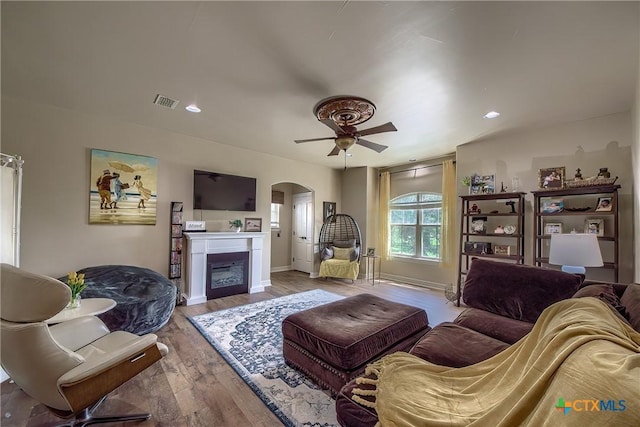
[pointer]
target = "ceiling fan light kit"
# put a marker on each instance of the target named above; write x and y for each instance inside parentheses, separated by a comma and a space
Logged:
(341, 114)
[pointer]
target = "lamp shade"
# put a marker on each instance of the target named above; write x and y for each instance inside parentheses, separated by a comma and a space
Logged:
(575, 250)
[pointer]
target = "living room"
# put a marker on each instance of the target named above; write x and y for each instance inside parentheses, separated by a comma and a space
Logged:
(54, 131)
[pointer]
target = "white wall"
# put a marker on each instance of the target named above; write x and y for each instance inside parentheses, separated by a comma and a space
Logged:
(588, 144)
(354, 197)
(635, 149)
(55, 144)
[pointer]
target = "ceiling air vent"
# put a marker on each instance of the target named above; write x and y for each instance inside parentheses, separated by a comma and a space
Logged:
(165, 101)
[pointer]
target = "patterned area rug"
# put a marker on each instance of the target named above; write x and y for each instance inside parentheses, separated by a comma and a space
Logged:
(249, 338)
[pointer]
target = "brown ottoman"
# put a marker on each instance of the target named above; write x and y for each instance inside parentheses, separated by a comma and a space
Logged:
(333, 343)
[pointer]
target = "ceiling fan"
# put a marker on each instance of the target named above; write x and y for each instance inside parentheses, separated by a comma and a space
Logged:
(341, 114)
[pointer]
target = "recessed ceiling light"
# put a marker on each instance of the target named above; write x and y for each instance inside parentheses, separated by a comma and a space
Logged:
(491, 115)
(412, 160)
(349, 155)
(193, 108)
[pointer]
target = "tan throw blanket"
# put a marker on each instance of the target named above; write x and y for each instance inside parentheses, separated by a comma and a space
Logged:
(579, 366)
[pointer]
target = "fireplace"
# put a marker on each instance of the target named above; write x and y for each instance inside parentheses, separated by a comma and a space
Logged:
(227, 274)
(198, 248)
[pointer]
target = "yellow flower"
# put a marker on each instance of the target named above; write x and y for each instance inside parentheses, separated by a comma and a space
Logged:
(76, 283)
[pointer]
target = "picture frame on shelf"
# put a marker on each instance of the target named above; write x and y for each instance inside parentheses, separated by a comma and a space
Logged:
(501, 250)
(479, 225)
(552, 206)
(253, 224)
(489, 184)
(552, 228)
(594, 226)
(605, 204)
(551, 178)
(483, 184)
(371, 251)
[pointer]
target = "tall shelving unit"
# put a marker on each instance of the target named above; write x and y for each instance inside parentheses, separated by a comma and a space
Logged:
(175, 253)
(500, 209)
(576, 198)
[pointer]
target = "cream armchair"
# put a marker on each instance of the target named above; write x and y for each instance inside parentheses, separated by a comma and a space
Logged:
(72, 366)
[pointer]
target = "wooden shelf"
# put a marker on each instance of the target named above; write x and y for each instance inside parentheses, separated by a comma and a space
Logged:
(511, 257)
(611, 219)
(486, 202)
(516, 235)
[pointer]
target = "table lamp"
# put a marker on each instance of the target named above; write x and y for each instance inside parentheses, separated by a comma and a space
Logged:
(574, 252)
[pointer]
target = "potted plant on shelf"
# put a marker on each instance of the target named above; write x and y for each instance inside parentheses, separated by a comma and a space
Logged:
(236, 224)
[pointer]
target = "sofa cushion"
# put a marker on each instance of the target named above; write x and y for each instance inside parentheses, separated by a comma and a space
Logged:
(605, 293)
(517, 291)
(498, 327)
(453, 345)
(352, 414)
(631, 301)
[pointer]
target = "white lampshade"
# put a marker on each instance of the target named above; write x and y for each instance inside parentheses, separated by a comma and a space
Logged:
(575, 251)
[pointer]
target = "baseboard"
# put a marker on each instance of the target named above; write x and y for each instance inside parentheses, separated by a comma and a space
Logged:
(412, 281)
(281, 268)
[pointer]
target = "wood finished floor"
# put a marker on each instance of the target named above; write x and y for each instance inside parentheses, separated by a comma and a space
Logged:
(193, 385)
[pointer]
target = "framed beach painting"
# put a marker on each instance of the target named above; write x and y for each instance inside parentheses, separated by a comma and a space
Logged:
(123, 188)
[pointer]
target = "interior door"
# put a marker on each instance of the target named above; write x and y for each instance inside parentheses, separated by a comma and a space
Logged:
(302, 239)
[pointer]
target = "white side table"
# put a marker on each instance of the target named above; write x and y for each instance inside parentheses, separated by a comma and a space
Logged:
(88, 307)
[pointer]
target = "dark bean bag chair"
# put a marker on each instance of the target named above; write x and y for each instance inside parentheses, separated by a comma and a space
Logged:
(144, 298)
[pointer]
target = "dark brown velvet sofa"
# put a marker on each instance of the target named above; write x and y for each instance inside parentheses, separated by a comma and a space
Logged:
(504, 301)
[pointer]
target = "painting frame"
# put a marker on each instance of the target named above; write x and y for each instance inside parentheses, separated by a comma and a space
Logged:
(551, 178)
(253, 224)
(328, 209)
(122, 188)
(371, 251)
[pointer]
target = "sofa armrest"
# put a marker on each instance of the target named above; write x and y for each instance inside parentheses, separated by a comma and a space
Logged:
(499, 327)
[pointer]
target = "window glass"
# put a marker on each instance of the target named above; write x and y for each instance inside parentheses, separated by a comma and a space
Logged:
(416, 221)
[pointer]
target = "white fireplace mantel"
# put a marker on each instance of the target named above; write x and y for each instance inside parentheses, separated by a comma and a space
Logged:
(199, 245)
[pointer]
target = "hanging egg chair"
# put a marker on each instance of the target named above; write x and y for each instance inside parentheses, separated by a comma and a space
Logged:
(340, 247)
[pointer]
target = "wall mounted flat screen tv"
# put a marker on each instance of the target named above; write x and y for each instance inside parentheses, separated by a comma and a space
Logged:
(221, 192)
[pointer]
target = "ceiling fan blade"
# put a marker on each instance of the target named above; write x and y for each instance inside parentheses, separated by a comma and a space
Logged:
(334, 152)
(332, 125)
(372, 145)
(298, 141)
(387, 127)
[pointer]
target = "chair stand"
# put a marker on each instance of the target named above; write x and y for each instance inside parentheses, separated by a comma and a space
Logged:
(86, 417)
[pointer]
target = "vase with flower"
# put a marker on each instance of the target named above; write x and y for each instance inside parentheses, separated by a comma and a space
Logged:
(76, 284)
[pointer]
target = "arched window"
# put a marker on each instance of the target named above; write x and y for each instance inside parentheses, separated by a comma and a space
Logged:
(416, 221)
